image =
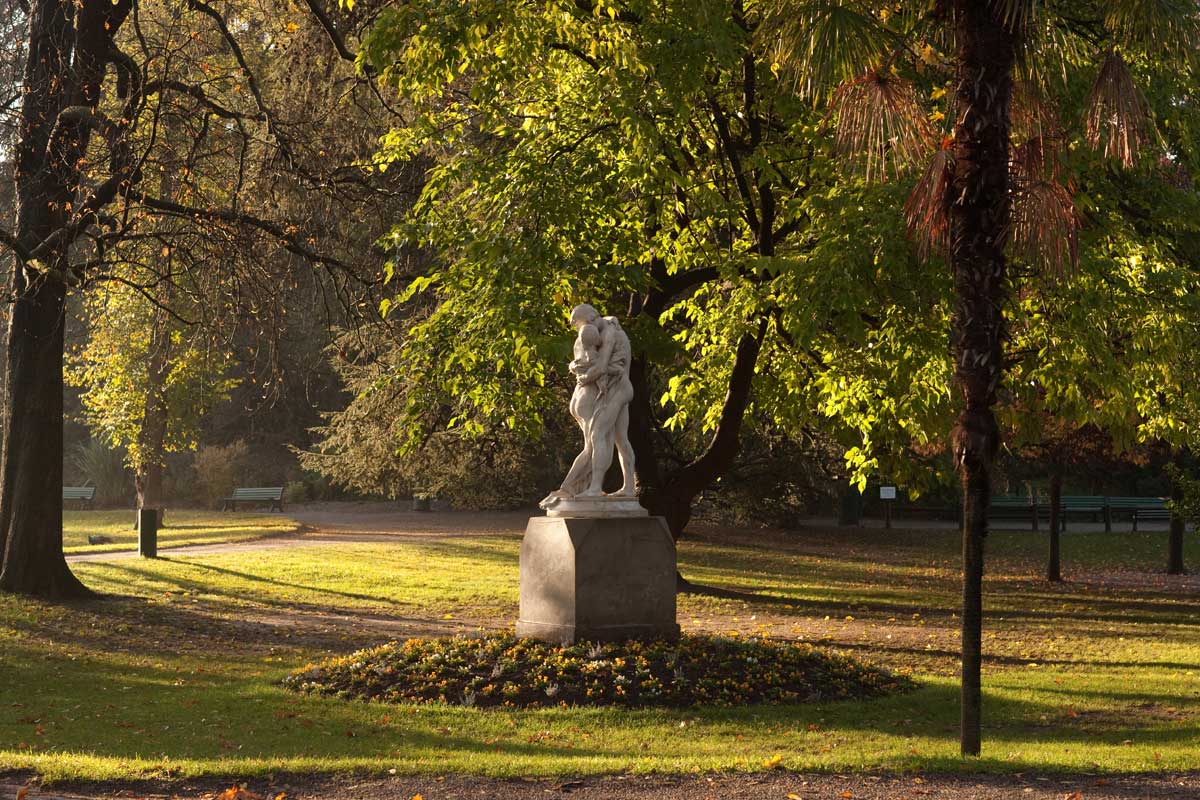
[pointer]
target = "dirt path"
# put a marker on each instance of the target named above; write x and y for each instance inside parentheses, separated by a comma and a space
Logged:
(779, 784)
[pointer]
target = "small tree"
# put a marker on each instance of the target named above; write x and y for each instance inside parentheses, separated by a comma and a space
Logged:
(148, 379)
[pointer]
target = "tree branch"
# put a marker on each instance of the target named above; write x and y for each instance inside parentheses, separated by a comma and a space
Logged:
(331, 31)
(287, 239)
(251, 80)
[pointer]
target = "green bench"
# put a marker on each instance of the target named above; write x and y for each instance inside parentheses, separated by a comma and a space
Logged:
(1140, 509)
(258, 494)
(84, 495)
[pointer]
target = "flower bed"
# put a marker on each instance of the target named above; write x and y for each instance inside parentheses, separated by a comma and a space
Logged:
(502, 670)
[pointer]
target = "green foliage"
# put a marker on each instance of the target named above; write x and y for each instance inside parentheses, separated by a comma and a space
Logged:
(103, 467)
(359, 447)
(589, 157)
(139, 367)
(221, 468)
(506, 671)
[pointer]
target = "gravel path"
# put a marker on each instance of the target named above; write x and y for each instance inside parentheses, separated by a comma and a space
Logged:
(779, 784)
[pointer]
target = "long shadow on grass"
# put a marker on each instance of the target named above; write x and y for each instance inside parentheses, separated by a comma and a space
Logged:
(246, 576)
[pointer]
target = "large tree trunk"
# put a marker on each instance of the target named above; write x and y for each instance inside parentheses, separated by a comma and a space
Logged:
(31, 494)
(1054, 563)
(979, 209)
(69, 47)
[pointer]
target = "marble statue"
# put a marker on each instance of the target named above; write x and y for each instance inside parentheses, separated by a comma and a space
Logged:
(600, 405)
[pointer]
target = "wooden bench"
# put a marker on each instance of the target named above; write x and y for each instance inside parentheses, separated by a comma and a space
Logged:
(1004, 506)
(1090, 505)
(1146, 508)
(258, 494)
(1153, 509)
(84, 495)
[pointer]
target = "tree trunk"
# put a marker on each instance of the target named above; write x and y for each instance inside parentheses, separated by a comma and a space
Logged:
(148, 481)
(1054, 564)
(1175, 564)
(672, 497)
(978, 214)
(31, 494)
(69, 49)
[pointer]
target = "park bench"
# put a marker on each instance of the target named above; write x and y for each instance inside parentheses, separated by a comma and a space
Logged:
(1146, 508)
(1091, 506)
(258, 494)
(84, 495)
(1006, 506)
(1151, 509)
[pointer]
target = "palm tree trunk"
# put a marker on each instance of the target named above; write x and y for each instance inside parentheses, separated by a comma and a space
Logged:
(978, 212)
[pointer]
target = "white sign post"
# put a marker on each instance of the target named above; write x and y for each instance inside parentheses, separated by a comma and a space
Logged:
(888, 495)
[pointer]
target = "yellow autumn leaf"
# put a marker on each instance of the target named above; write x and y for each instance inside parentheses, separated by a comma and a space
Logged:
(773, 762)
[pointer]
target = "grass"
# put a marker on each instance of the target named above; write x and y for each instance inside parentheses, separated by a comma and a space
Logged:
(183, 528)
(177, 672)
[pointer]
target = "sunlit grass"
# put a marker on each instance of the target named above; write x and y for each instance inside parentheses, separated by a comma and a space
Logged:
(182, 528)
(176, 672)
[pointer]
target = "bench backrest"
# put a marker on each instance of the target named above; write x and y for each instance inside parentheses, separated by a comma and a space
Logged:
(259, 493)
(79, 493)
(1149, 503)
(1082, 501)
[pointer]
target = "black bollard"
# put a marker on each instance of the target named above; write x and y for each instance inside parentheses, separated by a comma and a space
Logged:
(148, 532)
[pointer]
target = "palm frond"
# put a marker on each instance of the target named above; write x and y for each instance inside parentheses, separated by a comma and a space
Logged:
(1162, 25)
(1035, 159)
(1044, 230)
(1017, 14)
(1118, 117)
(881, 119)
(1032, 117)
(824, 43)
(926, 210)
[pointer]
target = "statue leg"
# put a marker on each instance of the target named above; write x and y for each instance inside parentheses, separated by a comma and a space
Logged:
(603, 430)
(625, 454)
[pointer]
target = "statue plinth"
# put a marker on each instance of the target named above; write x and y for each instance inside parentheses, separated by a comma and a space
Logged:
(598, 578)
(606, 505)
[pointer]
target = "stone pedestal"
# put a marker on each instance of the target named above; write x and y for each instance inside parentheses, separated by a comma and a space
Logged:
(597, 579)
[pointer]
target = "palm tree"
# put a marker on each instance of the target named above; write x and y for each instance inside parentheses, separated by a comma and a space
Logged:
(981, 196)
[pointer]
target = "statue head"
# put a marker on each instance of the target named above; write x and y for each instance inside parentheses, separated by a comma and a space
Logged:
(583, 315)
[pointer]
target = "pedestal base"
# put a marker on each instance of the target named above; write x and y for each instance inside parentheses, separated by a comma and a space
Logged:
(597, 579)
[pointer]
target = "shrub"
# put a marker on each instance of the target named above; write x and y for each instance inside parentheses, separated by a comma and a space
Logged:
(504, 670)
(103, 467)
(220, 468)
(295, 492)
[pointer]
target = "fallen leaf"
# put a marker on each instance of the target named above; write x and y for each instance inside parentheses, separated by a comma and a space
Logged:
(773, 761)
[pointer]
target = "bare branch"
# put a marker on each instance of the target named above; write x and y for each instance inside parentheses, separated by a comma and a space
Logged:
(325, 22)
(251, 80)
(288, 239)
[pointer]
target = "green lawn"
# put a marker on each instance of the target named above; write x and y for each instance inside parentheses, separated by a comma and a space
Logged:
(183, 528)
(175, 672)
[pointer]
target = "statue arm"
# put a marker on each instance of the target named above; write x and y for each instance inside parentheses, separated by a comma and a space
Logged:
(599, 366)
